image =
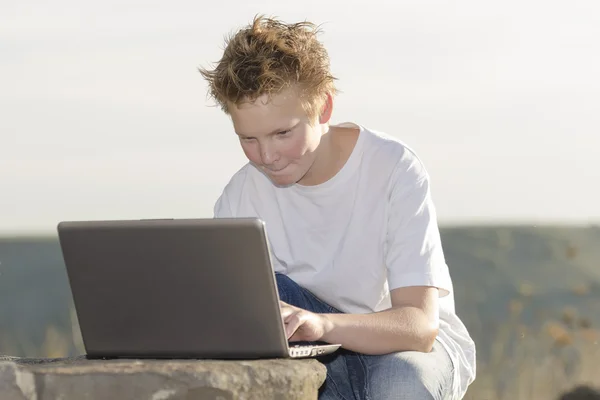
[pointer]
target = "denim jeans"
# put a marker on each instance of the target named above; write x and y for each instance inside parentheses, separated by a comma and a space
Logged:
(407, 375)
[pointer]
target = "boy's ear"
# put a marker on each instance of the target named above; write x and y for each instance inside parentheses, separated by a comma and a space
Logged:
(326, 110)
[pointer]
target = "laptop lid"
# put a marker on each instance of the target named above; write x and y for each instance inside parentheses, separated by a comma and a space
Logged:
(187, 288)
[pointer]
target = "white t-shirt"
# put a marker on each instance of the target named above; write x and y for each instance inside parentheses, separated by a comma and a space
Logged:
(369, 229)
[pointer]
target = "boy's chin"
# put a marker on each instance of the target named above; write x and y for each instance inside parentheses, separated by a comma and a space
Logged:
(283, 181)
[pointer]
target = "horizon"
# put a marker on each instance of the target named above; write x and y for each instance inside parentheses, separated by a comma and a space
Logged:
(53, 234)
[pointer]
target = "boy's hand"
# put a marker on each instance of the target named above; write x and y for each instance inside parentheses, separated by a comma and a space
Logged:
(302, 325)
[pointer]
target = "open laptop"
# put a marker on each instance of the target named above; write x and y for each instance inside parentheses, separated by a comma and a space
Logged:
(177, 288)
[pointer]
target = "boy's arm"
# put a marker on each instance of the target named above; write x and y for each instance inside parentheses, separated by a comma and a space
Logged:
(410, 324)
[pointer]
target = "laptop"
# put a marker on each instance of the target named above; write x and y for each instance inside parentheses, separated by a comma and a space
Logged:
(177, 288)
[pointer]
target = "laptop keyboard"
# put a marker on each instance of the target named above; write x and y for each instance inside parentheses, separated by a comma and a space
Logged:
(305, 350)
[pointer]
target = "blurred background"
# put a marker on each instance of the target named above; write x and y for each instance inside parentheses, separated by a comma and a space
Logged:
(103, 115)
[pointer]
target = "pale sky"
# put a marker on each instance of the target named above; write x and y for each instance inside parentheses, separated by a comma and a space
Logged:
(103, 114)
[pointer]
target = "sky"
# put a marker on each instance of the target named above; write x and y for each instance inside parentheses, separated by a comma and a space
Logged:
(103, 114)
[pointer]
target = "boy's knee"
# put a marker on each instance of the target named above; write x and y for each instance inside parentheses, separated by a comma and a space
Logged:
(413, 382)
(406, 383)
(409, 378)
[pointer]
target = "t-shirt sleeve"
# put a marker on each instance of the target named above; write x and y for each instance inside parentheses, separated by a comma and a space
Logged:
(414, 255)
(226, 205)
(222, 207)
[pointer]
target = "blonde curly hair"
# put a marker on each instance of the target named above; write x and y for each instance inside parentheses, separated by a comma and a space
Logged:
(268, 57)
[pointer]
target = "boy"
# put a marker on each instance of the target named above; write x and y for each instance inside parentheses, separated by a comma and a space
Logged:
(351, 224)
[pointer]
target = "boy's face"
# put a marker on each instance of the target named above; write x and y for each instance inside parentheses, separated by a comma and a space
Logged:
(277, 136)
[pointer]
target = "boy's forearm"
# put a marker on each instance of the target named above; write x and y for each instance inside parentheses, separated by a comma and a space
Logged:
(396, 329)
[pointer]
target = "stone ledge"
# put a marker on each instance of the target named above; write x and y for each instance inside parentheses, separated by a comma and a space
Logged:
(79, 379)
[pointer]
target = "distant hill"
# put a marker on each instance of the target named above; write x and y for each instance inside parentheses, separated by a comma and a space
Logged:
(550, 269)
(34, 295)
(509, 281)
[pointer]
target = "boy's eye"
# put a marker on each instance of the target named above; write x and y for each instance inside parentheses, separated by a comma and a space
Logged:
(284, 132)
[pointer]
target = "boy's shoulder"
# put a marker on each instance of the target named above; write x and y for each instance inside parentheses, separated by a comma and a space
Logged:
(389, 151)
(238, 180)
(241, 178)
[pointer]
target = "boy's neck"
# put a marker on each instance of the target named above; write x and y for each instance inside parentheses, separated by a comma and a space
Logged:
(335, 148)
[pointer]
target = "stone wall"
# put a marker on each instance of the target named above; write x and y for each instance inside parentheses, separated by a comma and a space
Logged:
(80, 379)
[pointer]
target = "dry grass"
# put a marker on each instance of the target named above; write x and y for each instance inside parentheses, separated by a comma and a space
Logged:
(539, 364)
(56, 343)
(582, 289)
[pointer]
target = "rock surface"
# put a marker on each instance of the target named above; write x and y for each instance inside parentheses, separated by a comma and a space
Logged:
(78, 378)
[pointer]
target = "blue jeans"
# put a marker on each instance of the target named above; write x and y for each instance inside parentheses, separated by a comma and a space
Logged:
(407, 375)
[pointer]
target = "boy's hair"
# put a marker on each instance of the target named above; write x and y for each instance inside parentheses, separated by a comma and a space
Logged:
(268, 57)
